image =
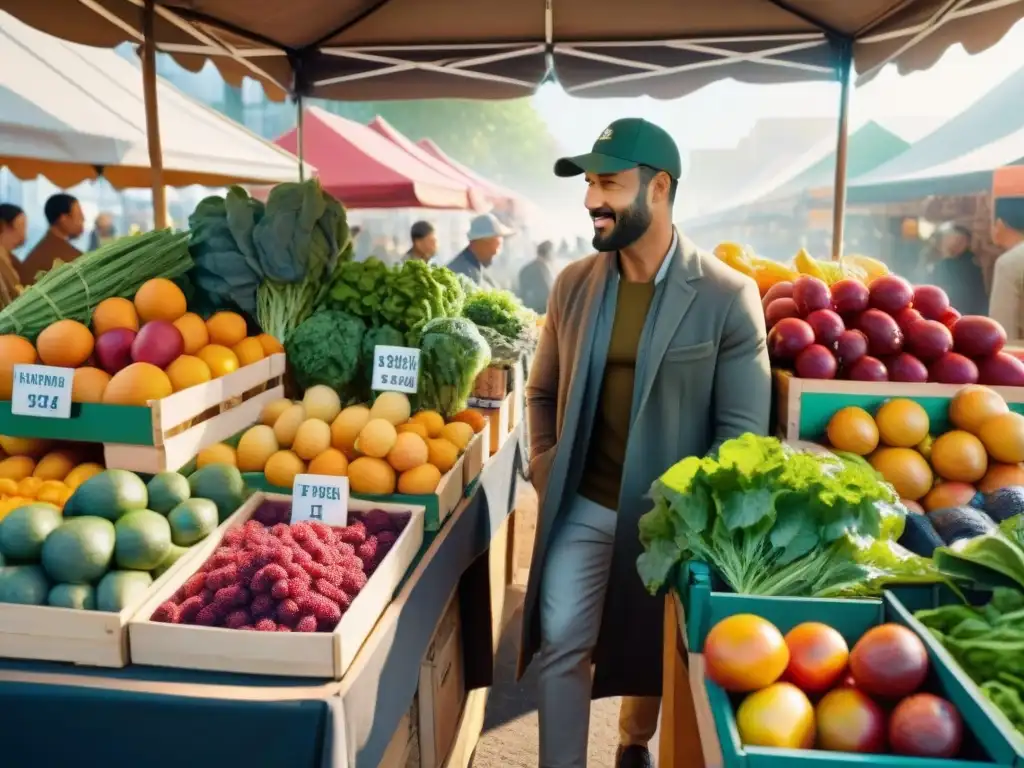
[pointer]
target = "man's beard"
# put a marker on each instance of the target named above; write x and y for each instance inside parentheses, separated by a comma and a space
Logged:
(630, 225)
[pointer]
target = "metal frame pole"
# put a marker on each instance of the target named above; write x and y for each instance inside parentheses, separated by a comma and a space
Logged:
(842, 143)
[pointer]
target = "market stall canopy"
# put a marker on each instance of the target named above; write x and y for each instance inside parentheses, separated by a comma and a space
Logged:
(475, 196)
(364, 170)
(71, 113)
(968, 154)
(777, 191)
(496, 193)
(403, 49)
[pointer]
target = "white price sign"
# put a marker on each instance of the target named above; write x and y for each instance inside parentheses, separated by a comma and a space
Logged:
(323, 498)
(395, 369)
(42, 390)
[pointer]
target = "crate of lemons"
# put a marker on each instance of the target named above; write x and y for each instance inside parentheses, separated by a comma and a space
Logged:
(42, 470)
(382, 448)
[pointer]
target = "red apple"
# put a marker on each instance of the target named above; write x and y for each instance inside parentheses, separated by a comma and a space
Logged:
(931, 301)
(1001, 370)
(949, 317)
(978, 336)
(788, 338)
(827, 326)
(904, 367)
(867, 369)
(884, 336)
(810, 294)
(849, 297)
(925, 725)
(778, 309)
(953, 368)
(906, 317)
(890, 293)
(783, 290)
(816, 362)
(851, 346)
(850, 721)
(928, 339)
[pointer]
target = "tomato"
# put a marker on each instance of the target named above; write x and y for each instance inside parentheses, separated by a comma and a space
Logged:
(778, 716)
(817, 656)
(745, 653)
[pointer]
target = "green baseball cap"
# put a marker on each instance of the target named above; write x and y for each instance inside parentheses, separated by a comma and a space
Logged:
(625, 144)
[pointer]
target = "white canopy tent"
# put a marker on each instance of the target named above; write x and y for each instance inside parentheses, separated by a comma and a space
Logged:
(71, 113)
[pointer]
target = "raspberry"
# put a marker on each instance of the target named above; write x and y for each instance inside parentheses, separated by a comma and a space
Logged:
(283, 628)
(298, 587)
(237, 619)
(296, 571)
(266, 576)
(166, 613)
(266, 625)
(188, 609)
(279, 589)
(288, 612)
(354, 534)
(267, 515)
(352, 581)
(233, 538)
(316, 570)
(247, 567)
(350, 563)
(333, 574)
(327, 613)
(194, 584)
(222, 577)
(253, 528)
(301, 532)
(328, 590)
(377, 520)
(385, 541)
(306, 624)
(301, 556)
(207, 595)
(261, 605)
(367, 551)
(322, 531)
(223, 556)
(209, 615)
(344, 550)
(178, 596)
(229, 597)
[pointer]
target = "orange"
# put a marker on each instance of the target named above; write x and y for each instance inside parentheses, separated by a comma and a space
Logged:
(431, 420)
(226, 328)
(220, 359)
(780, 716)
(330, 462)
(137, 384)
(88, 385)
(1001, 476)
(14, 350)
(193, 331)
(972, 405)
(960, 456)
(852, 429)
(475, 419)
(744, 653)
(218, 453)
(1003, 436)
(282, 468)
(188, 371)
(65, 344)
(160, 299)
(945, 495)
(905, 469)
(371, 475)
(114, 313)
(249, 351)
(271, 346)
(902, 423)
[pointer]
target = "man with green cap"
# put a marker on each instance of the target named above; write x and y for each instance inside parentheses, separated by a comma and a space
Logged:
(652, 351)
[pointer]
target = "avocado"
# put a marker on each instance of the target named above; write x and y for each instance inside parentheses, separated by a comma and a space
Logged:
(80, 551)
(23, 584)
(1004, 503)
(220, 483)
(121, 589)
(166, 491)
(173, 555)
(956, 523)
(109, 494)
(192, 521)
(79, 596)
(141, 540)
(24, 530)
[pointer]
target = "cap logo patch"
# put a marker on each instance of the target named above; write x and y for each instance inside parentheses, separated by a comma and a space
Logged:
(605, 135)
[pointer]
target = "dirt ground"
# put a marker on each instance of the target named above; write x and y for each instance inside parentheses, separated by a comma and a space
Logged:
(510, 729)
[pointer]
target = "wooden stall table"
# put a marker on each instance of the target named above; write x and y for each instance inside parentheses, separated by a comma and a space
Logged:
(688, 738)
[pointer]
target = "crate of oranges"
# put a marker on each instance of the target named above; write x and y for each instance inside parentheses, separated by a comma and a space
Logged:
(151, 381)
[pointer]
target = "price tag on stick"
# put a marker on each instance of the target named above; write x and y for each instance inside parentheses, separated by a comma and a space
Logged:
(42, 390)
(395, 369)
(323, 498)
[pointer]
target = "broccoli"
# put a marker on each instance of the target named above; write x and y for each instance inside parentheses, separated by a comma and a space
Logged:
(452, 354)
(325, 349)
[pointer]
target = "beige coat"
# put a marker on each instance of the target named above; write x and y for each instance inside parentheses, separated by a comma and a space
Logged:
(707, 380)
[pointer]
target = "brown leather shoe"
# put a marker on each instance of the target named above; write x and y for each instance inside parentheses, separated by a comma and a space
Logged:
(634, 756)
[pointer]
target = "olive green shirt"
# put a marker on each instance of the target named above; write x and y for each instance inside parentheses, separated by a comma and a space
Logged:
(602, 473)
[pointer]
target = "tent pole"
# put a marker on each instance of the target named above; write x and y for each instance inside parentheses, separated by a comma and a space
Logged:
(842, 141)
(156, 154)
(299, 137)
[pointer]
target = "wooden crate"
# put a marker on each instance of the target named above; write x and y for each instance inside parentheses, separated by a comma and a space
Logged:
(442, 689)
(168, 433)
(291, 654)
(476, 455)
(492, 383)
(803, 407)
(499, 417)
(89, 638)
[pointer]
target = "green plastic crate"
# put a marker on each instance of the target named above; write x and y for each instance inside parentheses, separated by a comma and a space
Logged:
(852, 618)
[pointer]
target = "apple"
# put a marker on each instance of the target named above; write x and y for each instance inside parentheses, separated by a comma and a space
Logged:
(931, 301)
(810, 294)
(849, 297)
(890, 293)
(827, 327)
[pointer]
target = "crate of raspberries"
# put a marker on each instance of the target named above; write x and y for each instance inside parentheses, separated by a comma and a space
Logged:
(264, 596)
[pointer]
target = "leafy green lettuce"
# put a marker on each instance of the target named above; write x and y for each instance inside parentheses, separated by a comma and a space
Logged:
(452, 354)
(774, 521)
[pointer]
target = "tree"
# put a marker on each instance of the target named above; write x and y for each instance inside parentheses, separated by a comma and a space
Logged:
(503, 140)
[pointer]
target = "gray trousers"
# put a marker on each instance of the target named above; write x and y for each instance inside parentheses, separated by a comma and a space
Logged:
(572, 594)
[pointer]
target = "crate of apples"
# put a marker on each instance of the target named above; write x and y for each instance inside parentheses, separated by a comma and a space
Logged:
(888, 331)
